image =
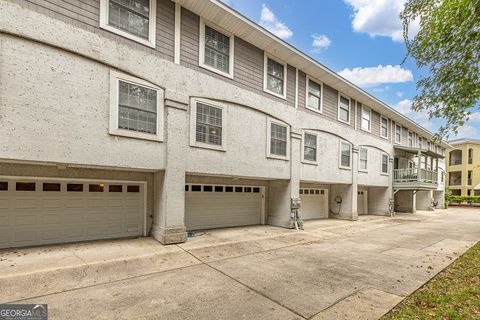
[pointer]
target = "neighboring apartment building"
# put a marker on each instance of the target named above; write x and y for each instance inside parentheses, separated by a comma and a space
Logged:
(463, 169)
(143, 117)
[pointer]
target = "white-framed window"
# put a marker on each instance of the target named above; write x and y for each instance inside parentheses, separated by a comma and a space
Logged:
(383, 127)
(363, 159)
(343, 108)
(277, 139)
(275, 77)
(133, 19)
(216, 49)
(420, 142)
(310, 147)
(398, 133)
(136, 108)
(410, 139)
(429, 145)
(385, 159)
(366, 118)
(345, 155)
(314, 95)
(208, 121)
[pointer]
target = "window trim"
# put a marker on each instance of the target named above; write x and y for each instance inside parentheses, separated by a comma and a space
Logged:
(364, 107)
(408, 139)
(193, 124)
(395, 134)
(349, 108)
(340, 155)
(313, 133)
(320, 83)
(388, 164)
(201, 48)
(360, 158)
(104, 5)
(269, 134)
(115, 78)
(266, 57)
(381, 136)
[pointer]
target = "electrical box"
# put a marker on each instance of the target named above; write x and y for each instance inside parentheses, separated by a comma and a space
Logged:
(296, 203)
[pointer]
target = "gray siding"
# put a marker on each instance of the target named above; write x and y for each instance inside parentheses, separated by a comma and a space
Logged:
(291, 75)
(330, 104)
(302, 89)
(248, 67)
(375, 123)
(86, 14)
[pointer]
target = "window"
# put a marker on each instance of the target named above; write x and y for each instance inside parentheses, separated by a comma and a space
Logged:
(51, 186)
(275, 74)
(75, 187)
(383, 127)
(343, 109)
(385, 159)
(3, 186)
(207, 124)
(25, 186)
(134, 189)
(314, 95)
(363, 166)
(216, 50)
(115, 188)
(420, 142)
(366, 118)
(310, 147)
(95, 187)
(278, 140)
(345, 155)
(136, 108)
(133, 19)
(410, 139)
(398, 133)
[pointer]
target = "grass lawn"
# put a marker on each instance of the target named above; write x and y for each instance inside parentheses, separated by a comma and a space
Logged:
(453, 294)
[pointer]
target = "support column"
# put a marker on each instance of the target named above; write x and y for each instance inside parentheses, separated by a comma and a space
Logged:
(391, 196)
(419, 165)
(414, 201)
(169, 191)
(347, 209)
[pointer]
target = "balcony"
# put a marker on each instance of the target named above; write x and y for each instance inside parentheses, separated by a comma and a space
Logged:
(454, 162)
(414, 178)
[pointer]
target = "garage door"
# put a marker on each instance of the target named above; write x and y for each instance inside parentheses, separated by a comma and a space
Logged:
(34, 212)
(314, 203)
(220, 206)
(362, 203)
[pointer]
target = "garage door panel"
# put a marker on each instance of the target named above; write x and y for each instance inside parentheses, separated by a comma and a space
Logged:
(314, 203)
(44, 217)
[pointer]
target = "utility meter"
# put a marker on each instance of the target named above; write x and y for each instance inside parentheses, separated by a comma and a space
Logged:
(296, 203)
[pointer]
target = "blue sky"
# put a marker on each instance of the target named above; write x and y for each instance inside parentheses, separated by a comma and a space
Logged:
(360, 39)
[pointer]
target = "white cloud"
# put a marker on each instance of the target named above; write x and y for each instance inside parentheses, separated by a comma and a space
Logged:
(372, 76)
(399, 94)
(380, 18)
(466, 131)
(404, 107)
(269, 21)
(475, 117)
(320, 42)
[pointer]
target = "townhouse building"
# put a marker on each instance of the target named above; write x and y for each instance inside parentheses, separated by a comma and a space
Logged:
(463, 167)
(155, 117)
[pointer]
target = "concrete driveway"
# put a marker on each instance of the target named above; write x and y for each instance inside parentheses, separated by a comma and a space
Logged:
(332, 270)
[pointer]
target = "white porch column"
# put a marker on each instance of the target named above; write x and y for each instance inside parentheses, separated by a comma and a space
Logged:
(347, 209)
(169, 191)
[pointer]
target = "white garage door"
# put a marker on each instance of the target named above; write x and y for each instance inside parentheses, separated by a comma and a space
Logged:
(362, 203)
(314, 203)
(34, 212)
(220, 206)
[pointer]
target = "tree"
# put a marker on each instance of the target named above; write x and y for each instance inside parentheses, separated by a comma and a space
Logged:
(447, 45)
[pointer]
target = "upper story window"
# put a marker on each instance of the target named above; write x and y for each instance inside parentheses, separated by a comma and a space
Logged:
(420, 142)
(383, 127)
(385, 159)
(275, 77)
(133, 19)
(216, 50)
(363, 164)
(207, 123)
(314, 95)
(345, 155)
(398, 133)
(136, 108)
(277, 139)
(366, 119)
(410, 139)
(343, 109)
(310, 147)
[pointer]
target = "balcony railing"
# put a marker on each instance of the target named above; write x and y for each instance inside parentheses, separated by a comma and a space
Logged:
(470, 160)
(455, 162)
(414, 177)
(455, 182)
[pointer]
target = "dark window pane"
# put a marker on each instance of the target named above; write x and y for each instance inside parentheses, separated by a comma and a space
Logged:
(133, 188)
(95, 187)
(25, 186)
(218, 189)
(238, 189)
(187, 187)
(228, 189)
(115, 188)
(248, 189)
(256, 190)
(51, 187)
(3, 186)
(196, 188)
(301, 191)
(75, 187)
(207, 188)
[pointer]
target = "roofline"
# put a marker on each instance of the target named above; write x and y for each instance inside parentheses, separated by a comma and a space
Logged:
(255, 25)
(463, 141)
